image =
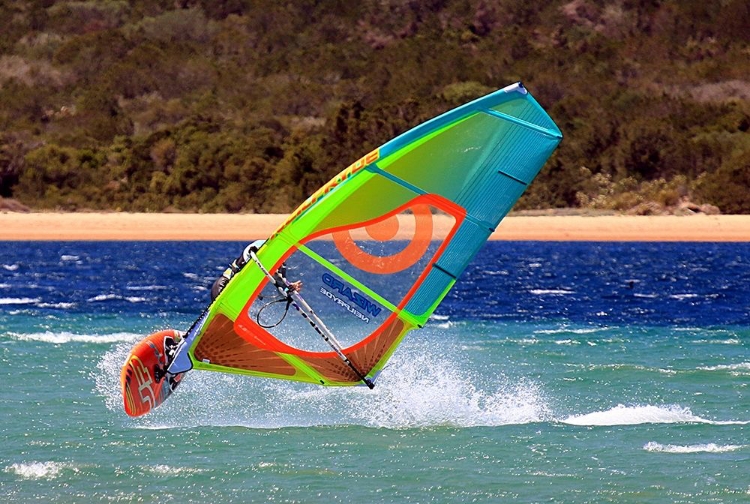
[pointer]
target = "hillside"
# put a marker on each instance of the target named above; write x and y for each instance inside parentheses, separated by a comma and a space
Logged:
(249, 106)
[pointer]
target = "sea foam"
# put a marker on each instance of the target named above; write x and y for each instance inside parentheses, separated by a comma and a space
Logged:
(60, 338)
(636, 415)
(742, 366)
(39, 470)
(550, 292)
(19, 301)
(697, 448)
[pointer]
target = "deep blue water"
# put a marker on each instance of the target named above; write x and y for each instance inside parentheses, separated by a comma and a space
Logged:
(608, 283)
(587, 283)
(563, 372)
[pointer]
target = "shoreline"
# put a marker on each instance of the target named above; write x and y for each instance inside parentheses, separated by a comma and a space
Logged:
(117, 226)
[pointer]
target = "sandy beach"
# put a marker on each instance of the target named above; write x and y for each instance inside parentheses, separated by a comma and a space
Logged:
(145, 226)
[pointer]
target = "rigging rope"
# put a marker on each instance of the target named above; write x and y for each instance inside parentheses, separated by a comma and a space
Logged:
(294, 299)
(288, 300)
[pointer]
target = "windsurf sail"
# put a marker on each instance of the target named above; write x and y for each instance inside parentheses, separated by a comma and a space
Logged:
(377, 248)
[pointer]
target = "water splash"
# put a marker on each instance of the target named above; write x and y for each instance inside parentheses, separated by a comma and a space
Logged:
(420, 388)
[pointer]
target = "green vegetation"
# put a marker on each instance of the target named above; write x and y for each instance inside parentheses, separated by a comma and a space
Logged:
(239, 105)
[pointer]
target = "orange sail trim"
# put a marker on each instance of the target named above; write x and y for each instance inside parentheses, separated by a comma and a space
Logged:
(388, 228)
(224, 347)
(254, 334)
(365, 355)
(424, 200)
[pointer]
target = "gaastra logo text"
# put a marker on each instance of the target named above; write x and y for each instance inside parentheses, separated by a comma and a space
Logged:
(353, 296)
(342, 177)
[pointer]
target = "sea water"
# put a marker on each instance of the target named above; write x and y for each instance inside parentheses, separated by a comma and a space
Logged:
(553, 372)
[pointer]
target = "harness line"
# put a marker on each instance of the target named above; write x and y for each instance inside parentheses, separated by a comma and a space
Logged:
(312, 318)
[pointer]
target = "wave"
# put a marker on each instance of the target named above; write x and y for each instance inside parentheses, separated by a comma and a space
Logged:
(103, 297)
(167, 470)
(567, 330)
(730, 341)
(19, 301)
(496, 272)
(146, 287)
(525, 341)
(40, 470)
(10, 267)
(63, 306)
(61, 338)
(681, 297)
(636, 415)
(711, 336)
(742, 366)
(51, 470)
(630, 367)
(567, 342)
(550, 292)
(698, 448)
(444, 325)
(111, 297)
(739, 369)
(441, 321)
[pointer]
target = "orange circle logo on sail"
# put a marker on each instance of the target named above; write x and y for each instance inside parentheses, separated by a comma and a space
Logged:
(385, 230)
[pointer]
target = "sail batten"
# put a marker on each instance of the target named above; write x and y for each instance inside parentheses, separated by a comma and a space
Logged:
(541, 129)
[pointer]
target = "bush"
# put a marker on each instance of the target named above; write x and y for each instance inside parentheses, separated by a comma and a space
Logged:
(61, 177)
(729, 186)
(233, 105)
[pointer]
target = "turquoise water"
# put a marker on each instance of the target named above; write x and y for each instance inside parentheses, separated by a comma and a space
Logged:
(554, 372)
